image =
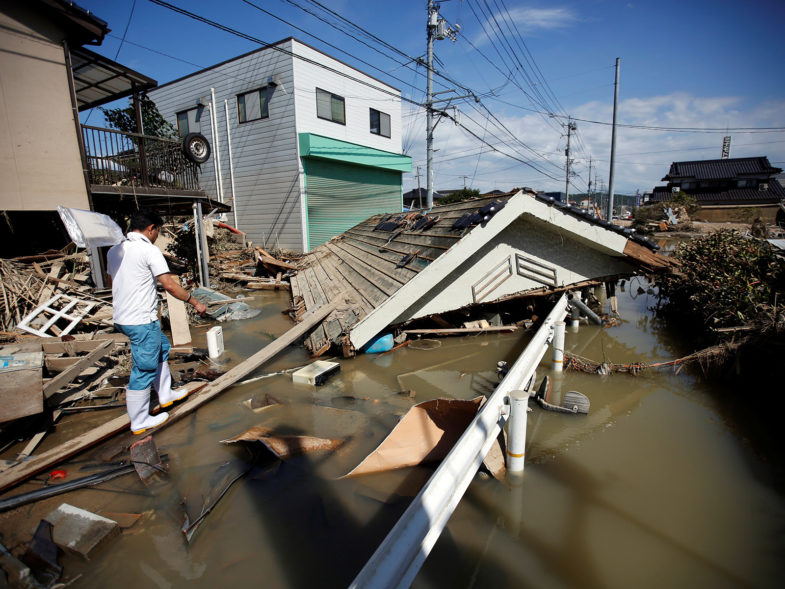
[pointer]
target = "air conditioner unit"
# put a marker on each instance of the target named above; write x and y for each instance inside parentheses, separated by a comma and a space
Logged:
(763, 186)
(675, 189)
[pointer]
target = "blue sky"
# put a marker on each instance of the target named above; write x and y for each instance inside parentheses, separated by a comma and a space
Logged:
(688, 64)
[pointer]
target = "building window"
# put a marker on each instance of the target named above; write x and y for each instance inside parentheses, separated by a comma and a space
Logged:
(252, 106)
(380, 123)
(745, 183)
(330, 106)
(190, 121)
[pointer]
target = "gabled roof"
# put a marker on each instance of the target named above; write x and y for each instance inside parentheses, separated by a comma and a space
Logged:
(720, 169)
(81, 26)
(385, 265)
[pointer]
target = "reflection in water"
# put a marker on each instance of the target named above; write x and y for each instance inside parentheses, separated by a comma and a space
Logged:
(654, 486)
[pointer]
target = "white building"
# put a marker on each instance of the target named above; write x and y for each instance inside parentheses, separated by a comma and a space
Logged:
(307, 145)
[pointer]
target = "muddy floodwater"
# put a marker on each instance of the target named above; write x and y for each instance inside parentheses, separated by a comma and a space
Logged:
(660, 485)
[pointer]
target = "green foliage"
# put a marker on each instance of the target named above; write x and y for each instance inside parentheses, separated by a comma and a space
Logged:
(459, 195)
(682, 199)
(123, 119)
(184, 247)
(724, 280)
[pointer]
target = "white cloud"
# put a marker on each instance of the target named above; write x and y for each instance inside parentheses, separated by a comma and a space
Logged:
(527, 20)
(643, 156)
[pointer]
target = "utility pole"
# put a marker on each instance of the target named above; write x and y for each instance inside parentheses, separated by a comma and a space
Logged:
(437, 29)
(464, 181)
(588, 196)
(570, 128)
(613, 141)
(419, 190)
(433, 19)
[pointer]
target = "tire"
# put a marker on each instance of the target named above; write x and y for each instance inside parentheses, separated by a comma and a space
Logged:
(196, 148)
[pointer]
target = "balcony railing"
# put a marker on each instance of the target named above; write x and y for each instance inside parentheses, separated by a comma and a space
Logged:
(115, 158)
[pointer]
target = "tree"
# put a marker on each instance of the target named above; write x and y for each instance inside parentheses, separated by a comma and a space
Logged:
(153, 122)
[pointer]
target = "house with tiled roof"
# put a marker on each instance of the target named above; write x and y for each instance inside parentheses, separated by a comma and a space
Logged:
(731, 189)
(394, 269)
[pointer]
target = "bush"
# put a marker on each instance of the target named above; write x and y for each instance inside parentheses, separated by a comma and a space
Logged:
(724, 280)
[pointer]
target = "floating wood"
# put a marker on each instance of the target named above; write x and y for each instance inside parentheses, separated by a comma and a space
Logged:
(208, 391)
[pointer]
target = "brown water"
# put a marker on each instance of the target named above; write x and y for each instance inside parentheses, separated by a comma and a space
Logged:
(657, 486)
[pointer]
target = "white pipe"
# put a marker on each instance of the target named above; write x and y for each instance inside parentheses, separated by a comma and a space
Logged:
(557, 363)
(516, 431)
(575, 301)
(198, 247)
(401, 554)
(216, 147)
(231, 163)
(575, 315)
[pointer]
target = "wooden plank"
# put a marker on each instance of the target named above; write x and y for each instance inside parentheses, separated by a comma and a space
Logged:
(385, 265)
(305, 292)
(178, 320)
(365, 266)
(67, 376)
(80, 346)
(360, 283)
(462, 330)
(36, 464)
(36, 439)
(319, 297)
(350, 290)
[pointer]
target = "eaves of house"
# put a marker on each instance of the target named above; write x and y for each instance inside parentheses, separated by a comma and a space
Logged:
(395, 268)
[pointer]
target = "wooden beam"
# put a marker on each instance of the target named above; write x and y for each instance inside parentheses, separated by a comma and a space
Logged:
(461, 330)
(71, 373)
(36, 464)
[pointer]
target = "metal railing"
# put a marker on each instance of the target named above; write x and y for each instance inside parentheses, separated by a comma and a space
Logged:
(401, 554)
(115, 158)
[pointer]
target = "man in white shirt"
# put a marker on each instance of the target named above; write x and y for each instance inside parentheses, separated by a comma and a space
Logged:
(134, 265)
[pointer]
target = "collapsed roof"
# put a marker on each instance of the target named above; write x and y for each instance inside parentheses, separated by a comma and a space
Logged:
(394, 268)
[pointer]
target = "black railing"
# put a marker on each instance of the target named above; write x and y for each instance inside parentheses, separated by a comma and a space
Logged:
(115, 158)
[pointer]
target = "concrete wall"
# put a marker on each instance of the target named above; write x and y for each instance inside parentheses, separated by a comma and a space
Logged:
(572, 260)
(40, 165)
(731, 214)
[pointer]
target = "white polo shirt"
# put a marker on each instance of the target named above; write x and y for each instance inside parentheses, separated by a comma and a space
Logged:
(134, 265)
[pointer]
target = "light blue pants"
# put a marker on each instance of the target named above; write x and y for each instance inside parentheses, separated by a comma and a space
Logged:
(149, 347)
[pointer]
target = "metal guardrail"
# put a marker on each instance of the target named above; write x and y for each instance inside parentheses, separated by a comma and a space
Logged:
(401, 554)
(115, 158)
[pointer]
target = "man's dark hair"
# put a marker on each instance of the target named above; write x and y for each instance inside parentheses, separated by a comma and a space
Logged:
(143, 218)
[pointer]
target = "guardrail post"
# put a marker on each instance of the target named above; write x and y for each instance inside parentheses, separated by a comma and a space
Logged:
(558, 346)
(516, 432)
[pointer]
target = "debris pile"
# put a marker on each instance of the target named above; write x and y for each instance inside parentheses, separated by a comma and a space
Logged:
(50, 294)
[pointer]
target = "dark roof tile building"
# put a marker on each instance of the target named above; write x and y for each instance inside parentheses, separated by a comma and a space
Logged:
(731, 189)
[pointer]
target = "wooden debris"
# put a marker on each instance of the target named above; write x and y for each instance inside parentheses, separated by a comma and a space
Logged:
(75, 445)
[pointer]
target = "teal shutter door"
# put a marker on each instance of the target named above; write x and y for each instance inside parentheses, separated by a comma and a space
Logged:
(341, 195)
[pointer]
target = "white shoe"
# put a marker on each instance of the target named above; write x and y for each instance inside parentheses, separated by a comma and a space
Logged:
(163, 386)
(138, 405)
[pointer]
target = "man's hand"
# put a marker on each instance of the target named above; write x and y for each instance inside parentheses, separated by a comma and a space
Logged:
(172, 286)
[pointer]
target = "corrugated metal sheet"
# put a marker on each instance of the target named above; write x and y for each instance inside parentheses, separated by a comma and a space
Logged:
(341, 196)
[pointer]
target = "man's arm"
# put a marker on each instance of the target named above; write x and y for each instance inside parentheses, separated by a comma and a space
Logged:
(172, 286)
